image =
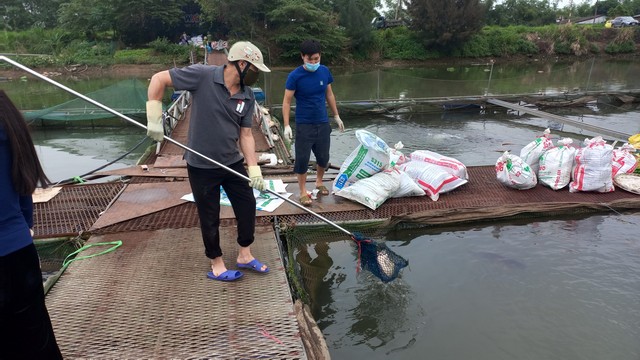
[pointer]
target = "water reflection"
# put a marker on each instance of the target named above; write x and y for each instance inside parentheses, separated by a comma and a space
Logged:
(317, 283)
(379, 310)
(557, 289)
(65, 153)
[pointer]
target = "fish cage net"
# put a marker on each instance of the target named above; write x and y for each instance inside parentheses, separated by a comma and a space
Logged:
(53, 252)
(307, 259)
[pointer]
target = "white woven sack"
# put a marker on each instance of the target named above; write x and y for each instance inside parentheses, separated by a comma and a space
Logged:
(556, 165)
(373, 191)
(592, 170)
(370, 157)
(531, 153)
(431, 178)
(448, 164)
(515, 173)
(408, 187)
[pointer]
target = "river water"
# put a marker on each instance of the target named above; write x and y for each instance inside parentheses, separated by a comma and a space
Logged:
(560, 288)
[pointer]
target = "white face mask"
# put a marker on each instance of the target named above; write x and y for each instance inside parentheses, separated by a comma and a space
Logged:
(311, 67)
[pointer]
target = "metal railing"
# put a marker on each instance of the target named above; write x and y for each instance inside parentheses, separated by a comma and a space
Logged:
(174, 113)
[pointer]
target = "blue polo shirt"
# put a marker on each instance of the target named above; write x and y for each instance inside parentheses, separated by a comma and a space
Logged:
(310, 93)
(16, 211)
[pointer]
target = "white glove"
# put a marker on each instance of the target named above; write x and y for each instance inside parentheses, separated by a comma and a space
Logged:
(287, 133)
(257, 182)
(155, 130)
(339, 122)
(32, 233)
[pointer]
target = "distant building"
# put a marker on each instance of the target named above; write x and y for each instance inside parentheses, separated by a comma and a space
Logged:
(600, 19)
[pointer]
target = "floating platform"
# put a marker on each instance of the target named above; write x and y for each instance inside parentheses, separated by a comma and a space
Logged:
(150, 298)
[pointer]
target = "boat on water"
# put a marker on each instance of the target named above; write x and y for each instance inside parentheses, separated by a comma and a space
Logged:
(376, 107)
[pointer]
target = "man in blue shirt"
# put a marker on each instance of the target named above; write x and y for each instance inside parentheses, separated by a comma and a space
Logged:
(310, 84)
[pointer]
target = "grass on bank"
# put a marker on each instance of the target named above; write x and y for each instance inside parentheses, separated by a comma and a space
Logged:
(58, 47)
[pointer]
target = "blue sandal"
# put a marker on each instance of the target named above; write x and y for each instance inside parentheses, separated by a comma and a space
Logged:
(229, 275)
(254, 265)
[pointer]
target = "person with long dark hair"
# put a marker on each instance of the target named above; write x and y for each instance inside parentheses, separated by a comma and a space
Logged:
(25, 327)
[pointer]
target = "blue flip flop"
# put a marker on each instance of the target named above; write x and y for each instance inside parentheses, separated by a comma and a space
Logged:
(254, 265)
(229, 275)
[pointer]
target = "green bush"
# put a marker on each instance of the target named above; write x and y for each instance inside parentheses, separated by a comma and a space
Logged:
(37, 61)
(136, 56)
(620, 48)
(562, 48)
(477, 46)
(87, 52)
(166, 47)
(35, 41)
(400, 43)
(499, 41)
(624, 42)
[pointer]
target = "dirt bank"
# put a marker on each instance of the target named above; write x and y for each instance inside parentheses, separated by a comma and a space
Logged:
(133, 70)
(121, 70)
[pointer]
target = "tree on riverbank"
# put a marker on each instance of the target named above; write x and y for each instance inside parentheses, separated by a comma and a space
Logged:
(446, 24)
(145, 31)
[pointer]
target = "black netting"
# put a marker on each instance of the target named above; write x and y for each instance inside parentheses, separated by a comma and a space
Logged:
(128, 97)
(377, 258)
(53, 252)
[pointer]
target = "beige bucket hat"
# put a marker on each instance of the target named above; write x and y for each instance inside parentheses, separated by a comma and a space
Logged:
(244, 50)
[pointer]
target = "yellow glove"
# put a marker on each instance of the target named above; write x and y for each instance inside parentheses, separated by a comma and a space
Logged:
(339, 122)
(257, 182)
(155, 129)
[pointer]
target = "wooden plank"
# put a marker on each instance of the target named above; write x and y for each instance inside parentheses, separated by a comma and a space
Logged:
(150, 172)
(142, 199)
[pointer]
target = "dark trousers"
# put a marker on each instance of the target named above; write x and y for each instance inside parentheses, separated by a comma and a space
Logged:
(205, 185)
(314, 138)
(25, 327)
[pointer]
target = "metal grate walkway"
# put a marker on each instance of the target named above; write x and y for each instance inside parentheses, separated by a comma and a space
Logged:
(74, 209)
(151, 299)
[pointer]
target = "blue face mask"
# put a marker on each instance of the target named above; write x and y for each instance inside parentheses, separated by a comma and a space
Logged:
(312, 67)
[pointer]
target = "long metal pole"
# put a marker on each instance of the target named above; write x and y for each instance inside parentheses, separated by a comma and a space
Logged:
(116, 113)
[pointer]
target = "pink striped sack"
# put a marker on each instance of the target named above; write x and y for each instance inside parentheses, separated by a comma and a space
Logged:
(448, 164)
(556, 165)
(623, 160)
(433, 179)
(592, 169)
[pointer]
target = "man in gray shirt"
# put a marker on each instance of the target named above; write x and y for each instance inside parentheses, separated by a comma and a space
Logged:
(221, 116)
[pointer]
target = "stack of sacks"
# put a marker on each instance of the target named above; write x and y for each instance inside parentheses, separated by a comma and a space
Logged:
(556, 165)
(513, 172)
(531, 153)
(373, 191)
(369, 176)
(374, 172)
(435, 173)
(370, 157)
(623, 160)
(593, 167)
